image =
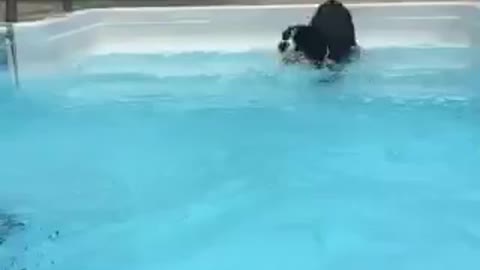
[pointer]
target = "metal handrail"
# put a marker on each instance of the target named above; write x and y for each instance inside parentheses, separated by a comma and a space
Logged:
(12, 55)
(67, 5)
(9, 51)
(11, 11)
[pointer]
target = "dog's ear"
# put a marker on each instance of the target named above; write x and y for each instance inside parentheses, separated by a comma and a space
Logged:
(288, 33)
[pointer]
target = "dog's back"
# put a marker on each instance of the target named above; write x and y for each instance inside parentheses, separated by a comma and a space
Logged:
(335, 22)
(310, 40)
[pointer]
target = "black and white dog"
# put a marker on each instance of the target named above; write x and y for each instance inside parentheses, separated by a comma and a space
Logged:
(329, 40)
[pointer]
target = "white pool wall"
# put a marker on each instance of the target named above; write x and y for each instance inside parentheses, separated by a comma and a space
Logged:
(52, 44)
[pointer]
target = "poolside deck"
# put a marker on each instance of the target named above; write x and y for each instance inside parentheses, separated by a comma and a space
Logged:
(37, 9)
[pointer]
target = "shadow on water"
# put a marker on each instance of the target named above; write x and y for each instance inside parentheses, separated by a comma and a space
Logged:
(9, 224)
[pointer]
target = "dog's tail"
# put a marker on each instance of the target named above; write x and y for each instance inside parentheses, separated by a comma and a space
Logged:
(333, 2)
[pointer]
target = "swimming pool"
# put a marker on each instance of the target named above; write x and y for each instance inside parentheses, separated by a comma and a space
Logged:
(242, 164)
(127, 147)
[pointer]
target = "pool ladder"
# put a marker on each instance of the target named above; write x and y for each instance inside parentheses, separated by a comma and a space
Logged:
(9, 52)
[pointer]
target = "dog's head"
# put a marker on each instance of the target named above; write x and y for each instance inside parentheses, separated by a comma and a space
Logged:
(302, 43)
(288, 48)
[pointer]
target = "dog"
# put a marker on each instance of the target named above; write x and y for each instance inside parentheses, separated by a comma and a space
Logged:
(328, 40)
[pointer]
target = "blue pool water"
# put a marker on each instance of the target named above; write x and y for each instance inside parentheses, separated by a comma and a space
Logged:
(228, 161)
